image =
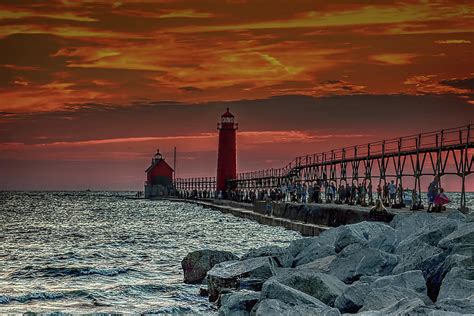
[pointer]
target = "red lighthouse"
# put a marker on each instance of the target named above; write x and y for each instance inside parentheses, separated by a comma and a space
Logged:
(227, 153)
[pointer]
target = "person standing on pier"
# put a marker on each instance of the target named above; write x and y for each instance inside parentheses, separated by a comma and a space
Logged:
(392, 190)
(379, 192)
(341, 194)
(304, 193)
(432, 192)
(400, 193)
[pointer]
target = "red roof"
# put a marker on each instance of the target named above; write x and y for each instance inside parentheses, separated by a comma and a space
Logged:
(155, 163)
(227, 114)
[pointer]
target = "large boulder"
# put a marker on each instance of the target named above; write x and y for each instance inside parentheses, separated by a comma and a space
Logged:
(324, 287)
(197, 263)
(314, 251)
(404, 306)
(457, 215)
(227, 275)
(435, 277)
(376, 235)
(457, 290)
(415, 254)
(408, 224)
(353, 298)
(412, 280)
(282, 256)
(272, 289)
(380, 298)
(238, 303)
(297, 245)
(461, 237)
(357, 260)
(433, 232)
(276, 307)
(319, 265)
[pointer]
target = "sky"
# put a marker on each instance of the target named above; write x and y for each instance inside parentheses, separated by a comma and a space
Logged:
(90, 89)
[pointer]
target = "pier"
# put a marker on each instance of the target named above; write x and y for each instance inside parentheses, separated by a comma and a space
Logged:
(406, 160)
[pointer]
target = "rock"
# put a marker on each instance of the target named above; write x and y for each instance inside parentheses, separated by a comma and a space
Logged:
(408, 224)
(297, 245)
(319, 265)
(271, 307)
(322, 286)
(457, 284)
(412, 280)
(378, 235)
(463, 306)
(436, 275)
(253, 284)
(457, 215)
(405, 306)
(356, 260)
(414, 254)
(463, 235)
(282, 256)
(238, 303)
(275, 307)
(272, 289)
(227, 275)
(197, 263)
(433, 232)
(314, 251)
(352, 299)
(387, 296)
(329, 236)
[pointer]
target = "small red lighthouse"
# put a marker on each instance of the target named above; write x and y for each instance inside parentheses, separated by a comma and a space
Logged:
(227, 152)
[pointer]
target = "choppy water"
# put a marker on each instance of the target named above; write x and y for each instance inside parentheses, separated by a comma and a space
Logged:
(103, 252)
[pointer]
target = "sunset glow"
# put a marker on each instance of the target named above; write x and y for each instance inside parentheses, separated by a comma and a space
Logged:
(108, 82)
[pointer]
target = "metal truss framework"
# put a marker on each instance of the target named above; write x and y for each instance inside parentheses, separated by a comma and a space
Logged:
(439, 153)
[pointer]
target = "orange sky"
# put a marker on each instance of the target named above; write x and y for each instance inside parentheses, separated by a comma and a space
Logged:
(95, 86)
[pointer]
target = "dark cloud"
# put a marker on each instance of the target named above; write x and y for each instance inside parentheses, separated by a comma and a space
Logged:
(465, 83)
(384, 115)
(191, 89)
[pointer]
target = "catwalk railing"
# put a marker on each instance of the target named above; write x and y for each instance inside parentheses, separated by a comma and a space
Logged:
(197, 187)
(439, 153)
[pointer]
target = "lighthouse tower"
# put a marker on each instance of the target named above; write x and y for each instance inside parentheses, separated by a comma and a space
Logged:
(227, 153)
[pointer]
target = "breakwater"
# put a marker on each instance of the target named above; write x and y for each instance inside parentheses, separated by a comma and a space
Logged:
(418, 264)
(308, 219)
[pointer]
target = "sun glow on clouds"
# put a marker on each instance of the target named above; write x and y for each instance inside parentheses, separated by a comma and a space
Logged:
(188, 51)
(394, 59)
(64, 56)
(192, 52)
(189, 143)
(453, 41)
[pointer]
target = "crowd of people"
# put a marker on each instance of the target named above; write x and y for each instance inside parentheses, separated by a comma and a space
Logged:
(319, 191)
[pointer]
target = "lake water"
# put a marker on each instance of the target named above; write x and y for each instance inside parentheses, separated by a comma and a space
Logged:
(94, 252)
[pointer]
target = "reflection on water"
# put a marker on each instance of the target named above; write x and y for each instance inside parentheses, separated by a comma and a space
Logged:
(104, 252)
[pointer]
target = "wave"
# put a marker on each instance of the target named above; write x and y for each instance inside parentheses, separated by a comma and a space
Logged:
(146, 288)
(68, 271)
(43, 296)
(170, 310)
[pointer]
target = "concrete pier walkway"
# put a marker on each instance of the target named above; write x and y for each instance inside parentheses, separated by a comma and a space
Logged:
(308, 219)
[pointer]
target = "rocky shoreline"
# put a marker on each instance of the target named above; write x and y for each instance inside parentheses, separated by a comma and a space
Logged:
(417, 264)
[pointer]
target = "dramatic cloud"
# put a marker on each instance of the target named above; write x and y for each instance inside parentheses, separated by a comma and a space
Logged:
(100, 84)
(464, 83)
